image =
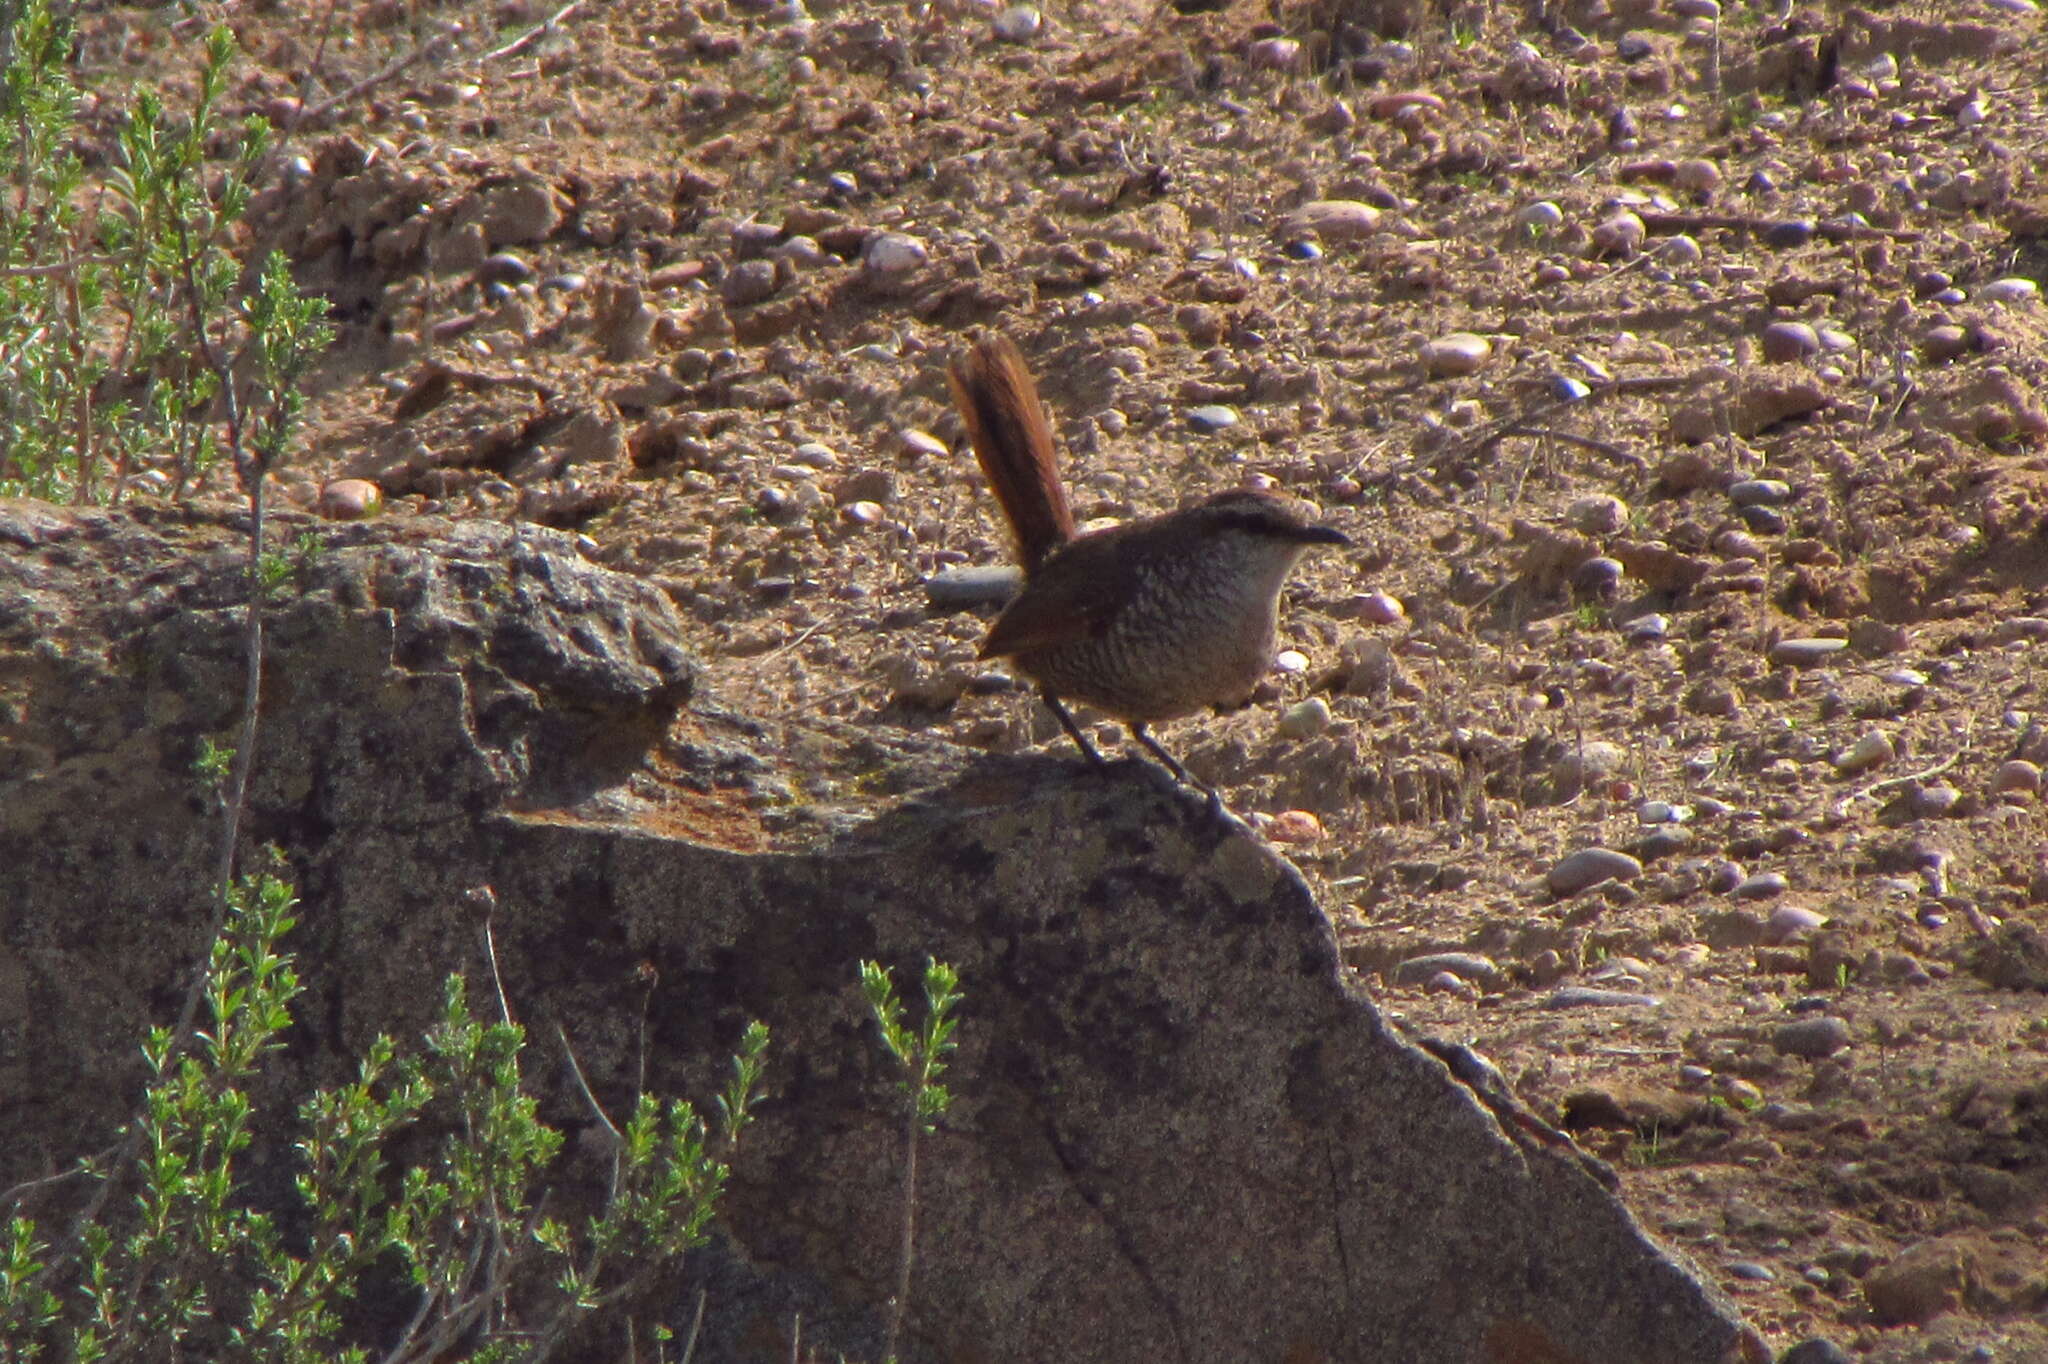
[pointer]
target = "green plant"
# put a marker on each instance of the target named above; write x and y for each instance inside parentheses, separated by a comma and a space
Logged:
(189, 1264)
(921, 1052)
(122, 304)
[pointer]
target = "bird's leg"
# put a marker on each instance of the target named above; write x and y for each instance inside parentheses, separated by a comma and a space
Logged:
(1059, 713)
(1158, 750)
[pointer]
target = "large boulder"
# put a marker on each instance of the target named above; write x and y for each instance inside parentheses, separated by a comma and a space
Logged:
(1180, 1132)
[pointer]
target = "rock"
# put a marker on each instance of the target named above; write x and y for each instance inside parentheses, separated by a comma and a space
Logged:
(1764, 885)
(1304, 719)
(1129, 963)
(1332, 220)
(1806, 653)
(1587, 868)
(1381, 608)
(1815, 1350)
(1459, 353)
(503, 268)
(1540, 217)
(1018, 23)
(959, 589)
(1213, 417)
(1872, 749)
(2016, 774)
(1788, 341)
(1924, 1281)
(1274, 54)
(2013, 289)
(1585, 997)
(1470, 966)
(350, 499)
(1753, 492)
(1811, 1038)
(891, 257)
(1791, 923)
(1620, 235)
(749, 282)
(1597, 514)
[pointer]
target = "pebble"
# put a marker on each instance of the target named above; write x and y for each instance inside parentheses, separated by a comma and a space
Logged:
(1789, 233)
(922, 443)
(1816, 1350)
(1381, 608)
(1586, 997)
(1305, 718)
(1445, 983)
(1480, 970)
(1680, 250)
(1663, 812)
(1752, 1271)
(350, 499)
(1216, 417)
(1946, 341)
(2016, 774)
(1784, 342)
(1292, 662)
(1456, 354)
(1805, 653)
(1871, 749)
(503, 268)
(1018, 24)
(894, 255)
(1566, 389)
(1764, 885)
(1294, 826)
(1755, 492)
(957, 589)
(1790, 924)
(1934, 801)
(1599, 578)
(1541, 216)
(1812, 1038)
(863, 513)
(1590, 867)
(750, 281)
(1333, 220)
(1598, 514)
(1646, 629)
(1274, 54)
(1696, 175)
(2011, 290)
(1761, 519)
(1620, 235)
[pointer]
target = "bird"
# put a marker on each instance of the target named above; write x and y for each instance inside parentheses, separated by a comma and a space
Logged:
(1147, 621)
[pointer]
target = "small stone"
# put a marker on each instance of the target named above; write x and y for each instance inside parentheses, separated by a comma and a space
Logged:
(1018, 24)
(1590, 867)
(1784, 342)
(1598, 578)
(1935, 801)
(1790, 233)
(1926, 1280)
(1680, 250)
(1871, 749)
(1566, 389)
(1765, 885)
(1480, 970)
(1753, 492)
(1598, 514)
(1215, 417)
(1646, 629)
(1381, 608)
(1790, 924)
(1294, 826)
(1816, 1350)
(1291, 662)
(1274, 54)
(1332, 220)
(503, 268)
(2016, 774)
(350, 499)
(749, 282)
(1305, 718)
(1694, 174)
(1945, 342)
(1540, 217)
(1592, 761)
(1752, 1271)
(1662, 812)
(1620, 235)
(1811, 1038)
(2013, 289)
(1395, 103)
(1806, 653)
(894, 256)
(1457, 354)
(1445, 983)
(922, 443)
(1586, 997)
(958, 589)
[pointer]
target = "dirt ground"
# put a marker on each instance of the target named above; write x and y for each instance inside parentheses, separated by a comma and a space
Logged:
(1678, 370)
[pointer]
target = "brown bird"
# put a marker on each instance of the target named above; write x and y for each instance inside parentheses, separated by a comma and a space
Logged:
(1147, 621)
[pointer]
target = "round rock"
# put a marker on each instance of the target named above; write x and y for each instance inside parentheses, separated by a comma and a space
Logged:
(1784, 342)
(1589, 867)
(1812, 1038)
(1456, 354)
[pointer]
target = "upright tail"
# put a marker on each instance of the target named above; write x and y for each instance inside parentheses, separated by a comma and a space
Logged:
(1012, 438)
